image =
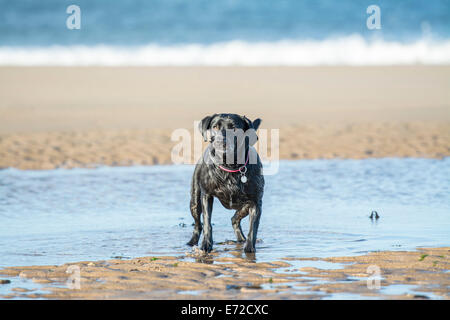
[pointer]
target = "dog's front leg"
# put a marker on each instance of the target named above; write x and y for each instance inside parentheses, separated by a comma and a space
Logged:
(207, 204)
(196, 211)
(254, 214)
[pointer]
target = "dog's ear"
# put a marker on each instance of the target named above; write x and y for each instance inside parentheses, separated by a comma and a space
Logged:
(205, 125)
(251, 125)
(257, 123)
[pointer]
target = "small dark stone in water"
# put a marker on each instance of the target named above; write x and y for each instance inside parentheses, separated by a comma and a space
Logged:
(247, 286)
(183, 225)
(3, 281)
(374, 215)
(120, 257)
(227, 242)
(233, 287)
(253, 286)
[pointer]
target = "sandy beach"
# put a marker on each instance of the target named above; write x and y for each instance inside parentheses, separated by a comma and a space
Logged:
(214, 277)
(88, 116)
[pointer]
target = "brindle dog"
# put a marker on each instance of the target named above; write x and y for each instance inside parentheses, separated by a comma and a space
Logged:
(234, 177)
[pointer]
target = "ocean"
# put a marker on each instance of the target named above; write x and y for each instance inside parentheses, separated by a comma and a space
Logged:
(224, 32)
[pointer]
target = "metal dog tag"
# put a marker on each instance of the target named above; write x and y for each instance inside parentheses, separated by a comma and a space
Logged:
(243, 171)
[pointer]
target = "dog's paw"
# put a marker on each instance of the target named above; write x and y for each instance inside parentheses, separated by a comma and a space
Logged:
(206, 246)
(249, 247)
(240, 238)
(193, 242)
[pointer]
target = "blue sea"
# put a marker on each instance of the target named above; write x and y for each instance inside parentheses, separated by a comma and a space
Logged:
(224, 32)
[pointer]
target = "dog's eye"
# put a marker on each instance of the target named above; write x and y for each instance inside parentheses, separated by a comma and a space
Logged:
(216, 127)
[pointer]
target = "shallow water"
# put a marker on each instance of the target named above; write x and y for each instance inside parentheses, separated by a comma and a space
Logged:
(312, 208)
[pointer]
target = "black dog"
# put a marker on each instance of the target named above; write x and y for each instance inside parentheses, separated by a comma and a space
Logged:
(231, 174)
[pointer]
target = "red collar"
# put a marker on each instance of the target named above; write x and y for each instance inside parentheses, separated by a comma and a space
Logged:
(242, 169)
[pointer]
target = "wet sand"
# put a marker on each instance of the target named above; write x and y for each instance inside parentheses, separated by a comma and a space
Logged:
(54, 117)
(153, 146)
(421, 274)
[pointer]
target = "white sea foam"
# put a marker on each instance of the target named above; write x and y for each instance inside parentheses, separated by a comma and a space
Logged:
(352, 50)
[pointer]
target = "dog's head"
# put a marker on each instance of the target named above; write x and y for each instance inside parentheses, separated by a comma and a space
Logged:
(228, 131)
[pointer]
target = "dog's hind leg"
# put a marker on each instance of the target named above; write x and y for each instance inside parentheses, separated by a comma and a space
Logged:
(236, 222)
(196, 211)
(255, 215)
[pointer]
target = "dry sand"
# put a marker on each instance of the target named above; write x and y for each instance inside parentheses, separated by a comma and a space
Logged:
(421, 274)
(82, 117)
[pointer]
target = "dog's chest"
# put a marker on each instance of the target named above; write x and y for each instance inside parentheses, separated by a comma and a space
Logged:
(231, 200)
(230, 194)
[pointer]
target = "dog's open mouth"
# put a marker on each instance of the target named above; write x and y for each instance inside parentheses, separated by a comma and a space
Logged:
(224, 148)
(228, 150)
(228, 158)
